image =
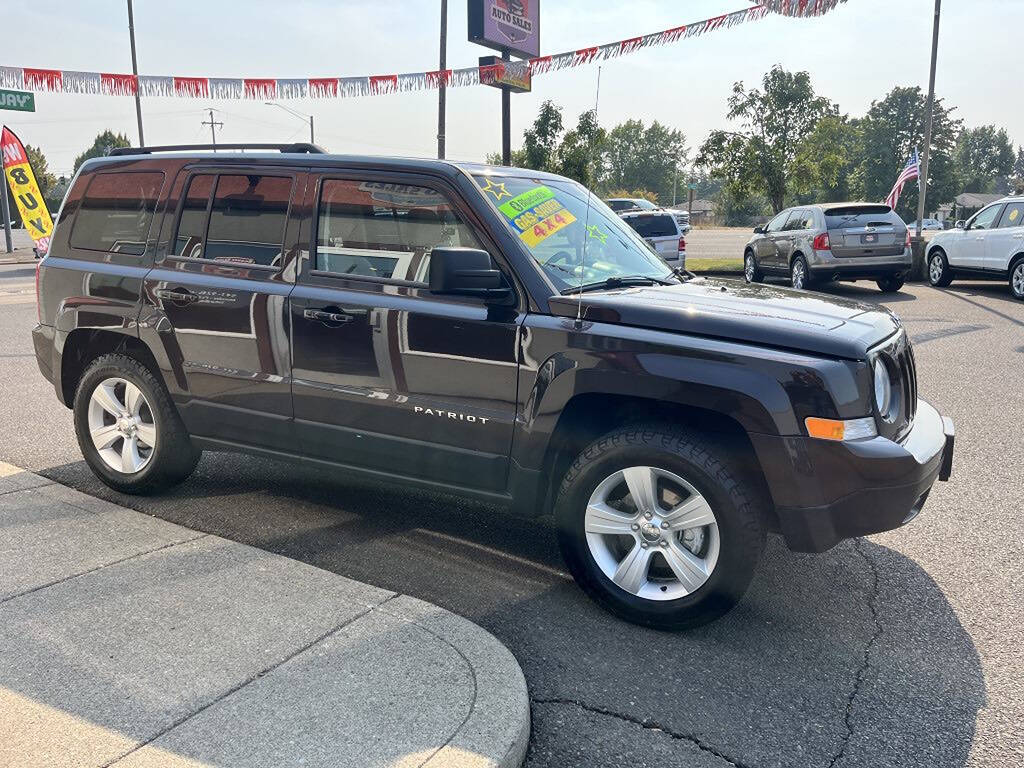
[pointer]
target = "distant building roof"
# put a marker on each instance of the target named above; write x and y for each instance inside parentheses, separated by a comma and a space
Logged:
(702, 206)
(976, 199)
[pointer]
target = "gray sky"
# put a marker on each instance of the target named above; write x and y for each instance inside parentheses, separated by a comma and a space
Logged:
(855, 55)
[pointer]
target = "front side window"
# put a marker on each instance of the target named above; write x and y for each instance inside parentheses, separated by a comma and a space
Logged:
(116, 212)
(385, 230)
(987, 218)
(1013, 216)
(569, 231)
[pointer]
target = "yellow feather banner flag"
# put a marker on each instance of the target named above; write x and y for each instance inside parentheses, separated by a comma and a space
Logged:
(22, 181)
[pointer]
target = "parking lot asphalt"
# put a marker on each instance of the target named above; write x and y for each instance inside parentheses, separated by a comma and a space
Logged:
(901, 649)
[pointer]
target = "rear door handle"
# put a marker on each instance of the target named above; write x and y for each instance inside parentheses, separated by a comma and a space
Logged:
(327, 316)
(176, 295)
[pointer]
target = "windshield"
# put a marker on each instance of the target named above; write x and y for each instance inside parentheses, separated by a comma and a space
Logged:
(645, 205)
(573, 247)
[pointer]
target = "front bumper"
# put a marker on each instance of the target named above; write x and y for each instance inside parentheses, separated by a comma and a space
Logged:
(825, 492)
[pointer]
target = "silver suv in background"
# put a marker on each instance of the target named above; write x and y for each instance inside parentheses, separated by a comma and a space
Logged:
(623, 205)
(660, 230)
(833, 241)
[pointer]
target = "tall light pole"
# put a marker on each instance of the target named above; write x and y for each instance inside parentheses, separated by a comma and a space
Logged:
(923, 180)
(441, 91)
(308, 118)
(135, 71)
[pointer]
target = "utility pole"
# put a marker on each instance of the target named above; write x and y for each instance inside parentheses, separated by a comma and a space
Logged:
(135, 71)
(923, 178)
(297, 114)
(442, 89)
(506, 119)
(213, 126)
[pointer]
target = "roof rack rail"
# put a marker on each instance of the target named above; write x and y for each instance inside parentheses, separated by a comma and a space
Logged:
(299, 148)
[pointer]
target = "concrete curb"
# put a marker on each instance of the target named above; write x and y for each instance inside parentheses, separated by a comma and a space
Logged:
(367, 659)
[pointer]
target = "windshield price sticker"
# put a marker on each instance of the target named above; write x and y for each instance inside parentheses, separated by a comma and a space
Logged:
(537, 214)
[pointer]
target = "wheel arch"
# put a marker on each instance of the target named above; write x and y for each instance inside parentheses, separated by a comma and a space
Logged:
(83, 345)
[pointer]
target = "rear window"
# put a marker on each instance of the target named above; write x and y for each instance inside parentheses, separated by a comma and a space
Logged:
(116, 212)
(662, 225)
(860, 216)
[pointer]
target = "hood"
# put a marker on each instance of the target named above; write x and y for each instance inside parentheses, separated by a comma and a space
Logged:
(728, 309)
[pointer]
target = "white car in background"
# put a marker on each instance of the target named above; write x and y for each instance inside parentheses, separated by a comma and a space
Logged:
(988, 246)
(623, 205)
(661, 230)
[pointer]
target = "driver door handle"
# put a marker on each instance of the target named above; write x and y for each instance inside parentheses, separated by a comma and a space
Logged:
(331, 315)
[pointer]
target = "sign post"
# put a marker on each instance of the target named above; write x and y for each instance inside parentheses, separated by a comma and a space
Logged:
(512, 27)
(7, 215)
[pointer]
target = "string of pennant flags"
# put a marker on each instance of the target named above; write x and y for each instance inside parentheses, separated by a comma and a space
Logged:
(109, 84)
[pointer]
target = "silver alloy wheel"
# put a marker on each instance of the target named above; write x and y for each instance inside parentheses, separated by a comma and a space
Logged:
(121, 425)
(1018, 280)
(652, 533)
(748, 268)
(798, 274)
(935, 268)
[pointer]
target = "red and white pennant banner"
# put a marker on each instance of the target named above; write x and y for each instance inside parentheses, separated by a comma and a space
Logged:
(263, 89)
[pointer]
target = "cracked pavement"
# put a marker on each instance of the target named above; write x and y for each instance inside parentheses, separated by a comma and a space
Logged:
(902, 649)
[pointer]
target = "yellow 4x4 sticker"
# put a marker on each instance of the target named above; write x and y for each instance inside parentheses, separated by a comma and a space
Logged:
(537, 214)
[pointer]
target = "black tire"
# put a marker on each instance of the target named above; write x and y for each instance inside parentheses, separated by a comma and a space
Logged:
(939, 273)
(171, 460)
(751, 271)
(703, 463)
(808, 280)
(890, 284)
(1016, 278)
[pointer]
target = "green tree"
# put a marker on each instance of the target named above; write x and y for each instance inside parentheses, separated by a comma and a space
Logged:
(737, 207)
(517, 159)
(104, 142)
(1017, 181)
(540, 142)
(892, 129)
(579, 153)
(826, 167)
(41, 168)
(650, 157)
(984, 158)
(775, 121)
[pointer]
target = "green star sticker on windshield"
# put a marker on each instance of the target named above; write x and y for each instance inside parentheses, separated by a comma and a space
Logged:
(597, 233)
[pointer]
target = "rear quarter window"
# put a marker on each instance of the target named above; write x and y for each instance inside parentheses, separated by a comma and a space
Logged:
(663, 225)
(116, 212)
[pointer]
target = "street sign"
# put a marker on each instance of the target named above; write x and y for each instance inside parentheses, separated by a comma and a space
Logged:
(20, 101)
(691, 185)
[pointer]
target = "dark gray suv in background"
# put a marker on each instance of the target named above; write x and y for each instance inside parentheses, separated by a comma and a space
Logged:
(833, 241)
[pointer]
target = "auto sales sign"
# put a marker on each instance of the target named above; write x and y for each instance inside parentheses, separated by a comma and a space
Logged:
(506, 25)
(18, 175)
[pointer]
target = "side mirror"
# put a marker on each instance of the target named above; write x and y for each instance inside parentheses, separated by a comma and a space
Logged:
(960, 224)
(466, 272)
(759, 230)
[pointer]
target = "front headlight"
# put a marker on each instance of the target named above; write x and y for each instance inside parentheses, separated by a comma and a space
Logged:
(883, 387)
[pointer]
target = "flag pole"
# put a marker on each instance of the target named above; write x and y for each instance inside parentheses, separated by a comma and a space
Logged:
(923, 178)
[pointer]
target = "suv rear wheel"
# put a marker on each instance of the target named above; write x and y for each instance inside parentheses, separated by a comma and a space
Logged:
(939, 273)
(799, 273)
(890, 284)
(658, 527)
(128, 430)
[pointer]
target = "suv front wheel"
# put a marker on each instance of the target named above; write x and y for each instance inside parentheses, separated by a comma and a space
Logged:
(128, 430)
(939, 273)
(658, 527)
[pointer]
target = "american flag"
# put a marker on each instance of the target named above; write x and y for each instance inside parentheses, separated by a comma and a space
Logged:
(911, 171)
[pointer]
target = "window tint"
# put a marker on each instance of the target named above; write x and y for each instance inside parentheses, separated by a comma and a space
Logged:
(662, 225)
(987, 218)
(796, 221)
(116, 212)
(247, 219)
(192, 225)
(379, 229)
(776, 224)
(1013, 216)
(860, 216)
